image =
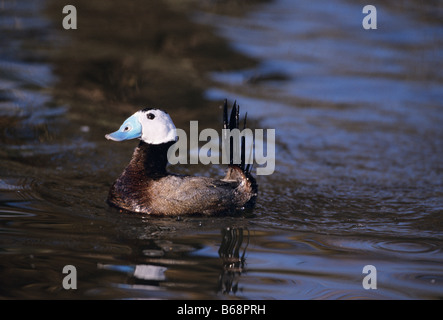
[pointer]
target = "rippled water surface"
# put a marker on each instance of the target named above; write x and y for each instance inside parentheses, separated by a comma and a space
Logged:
(359, 147)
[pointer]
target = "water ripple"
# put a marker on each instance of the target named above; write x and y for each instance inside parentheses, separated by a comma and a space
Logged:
(413, 247)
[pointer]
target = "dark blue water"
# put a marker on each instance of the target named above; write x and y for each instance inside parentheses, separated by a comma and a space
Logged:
(359, 140)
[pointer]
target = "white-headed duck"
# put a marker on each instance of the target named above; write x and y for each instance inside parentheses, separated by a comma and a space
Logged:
(145, 186)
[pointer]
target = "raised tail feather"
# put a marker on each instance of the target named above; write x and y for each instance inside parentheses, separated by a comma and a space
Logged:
(234, 123)
(239, 172)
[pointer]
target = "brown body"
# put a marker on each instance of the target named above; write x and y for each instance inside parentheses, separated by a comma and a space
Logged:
(146, 187)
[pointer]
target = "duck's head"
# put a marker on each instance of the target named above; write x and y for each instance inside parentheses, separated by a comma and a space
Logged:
(153, 126)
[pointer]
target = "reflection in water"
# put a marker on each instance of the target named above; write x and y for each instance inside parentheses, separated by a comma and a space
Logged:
(140, 271)
(161, 267)
(232, 251)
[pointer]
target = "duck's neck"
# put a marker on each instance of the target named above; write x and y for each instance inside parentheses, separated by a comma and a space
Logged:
(149, 159)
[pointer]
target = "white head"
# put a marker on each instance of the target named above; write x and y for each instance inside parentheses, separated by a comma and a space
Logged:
(153, 126)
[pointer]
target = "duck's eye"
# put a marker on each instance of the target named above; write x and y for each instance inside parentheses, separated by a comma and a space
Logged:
(150, 116)
(126, 128)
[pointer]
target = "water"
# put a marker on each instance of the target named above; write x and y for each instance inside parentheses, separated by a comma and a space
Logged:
(358, 177)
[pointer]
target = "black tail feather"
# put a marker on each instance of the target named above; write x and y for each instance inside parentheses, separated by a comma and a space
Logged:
(233, 120)
(243, 147)
(234, 123)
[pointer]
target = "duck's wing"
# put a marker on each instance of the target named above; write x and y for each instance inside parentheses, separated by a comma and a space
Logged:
(176, 195)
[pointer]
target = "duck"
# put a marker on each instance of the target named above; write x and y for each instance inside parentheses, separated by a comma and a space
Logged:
(146, 186)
